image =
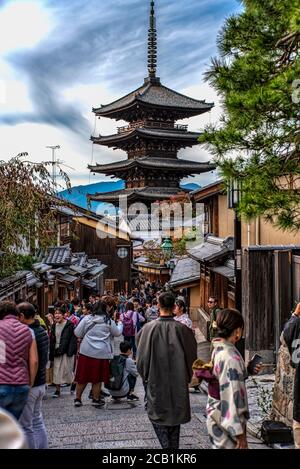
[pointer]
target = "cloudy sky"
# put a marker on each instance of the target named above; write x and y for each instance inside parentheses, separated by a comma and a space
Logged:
(59, 58)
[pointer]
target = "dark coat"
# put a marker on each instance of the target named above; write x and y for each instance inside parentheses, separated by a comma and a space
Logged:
(68, 342)
(291, 334)
(213, 330)
(166, 352)
(42, 343)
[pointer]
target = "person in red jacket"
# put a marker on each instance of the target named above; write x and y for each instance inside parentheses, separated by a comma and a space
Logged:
(18, 360)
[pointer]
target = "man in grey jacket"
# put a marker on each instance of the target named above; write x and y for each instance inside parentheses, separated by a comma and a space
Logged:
(166, 352)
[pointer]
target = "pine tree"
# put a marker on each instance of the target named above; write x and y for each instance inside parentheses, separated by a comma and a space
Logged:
(257, 75)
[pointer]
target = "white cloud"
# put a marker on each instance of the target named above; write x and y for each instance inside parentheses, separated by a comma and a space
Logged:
(54, 83)
(23, 24)
(3, 92)
(14, 96)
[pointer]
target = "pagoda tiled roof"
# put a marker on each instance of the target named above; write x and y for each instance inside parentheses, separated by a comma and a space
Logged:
(158, 95)
(146, 132)
(172, 164)
(148, 193)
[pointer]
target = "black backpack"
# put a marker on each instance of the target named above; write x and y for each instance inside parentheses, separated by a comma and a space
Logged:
(116, 372)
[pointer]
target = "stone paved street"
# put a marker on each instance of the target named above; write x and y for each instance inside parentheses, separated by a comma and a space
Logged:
(117, 425)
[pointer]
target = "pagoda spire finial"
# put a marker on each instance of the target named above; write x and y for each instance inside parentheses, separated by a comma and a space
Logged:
(152, 43)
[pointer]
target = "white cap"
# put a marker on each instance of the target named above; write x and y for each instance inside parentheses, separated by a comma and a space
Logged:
(11, 434)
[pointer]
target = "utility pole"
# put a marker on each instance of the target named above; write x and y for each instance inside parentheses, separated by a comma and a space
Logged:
(53, 148)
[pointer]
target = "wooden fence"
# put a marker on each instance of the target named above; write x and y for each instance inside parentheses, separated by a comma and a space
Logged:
(270, 287)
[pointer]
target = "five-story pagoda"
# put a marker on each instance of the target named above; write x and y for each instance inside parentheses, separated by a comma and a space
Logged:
(152, 139)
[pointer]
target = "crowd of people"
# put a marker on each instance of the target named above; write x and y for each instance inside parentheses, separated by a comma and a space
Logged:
(73, 345)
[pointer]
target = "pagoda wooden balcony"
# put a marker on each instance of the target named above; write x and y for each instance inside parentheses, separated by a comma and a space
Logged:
(153, 125)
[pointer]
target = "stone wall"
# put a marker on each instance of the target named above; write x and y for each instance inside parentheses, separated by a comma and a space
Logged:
(283, 389)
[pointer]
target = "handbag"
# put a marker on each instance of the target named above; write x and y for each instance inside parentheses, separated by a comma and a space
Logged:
(276, 432)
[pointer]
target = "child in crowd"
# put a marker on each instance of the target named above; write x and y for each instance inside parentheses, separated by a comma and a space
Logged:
(130, 375)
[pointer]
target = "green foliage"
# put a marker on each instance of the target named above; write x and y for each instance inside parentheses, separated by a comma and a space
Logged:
(26, 210)
(258, 139)
(180, 246)
(13, 262)
(26, 262)
(156, 255)
(153, 251)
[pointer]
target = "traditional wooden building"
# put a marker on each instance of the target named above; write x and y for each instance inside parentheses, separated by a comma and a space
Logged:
(219, 220)
(101, 239)
(270, 272)
(152, 139)
(22, 285)
(207, 270)
(13, 288)
(185, 278)
(151, 271)
(65, 275)
(270, 291)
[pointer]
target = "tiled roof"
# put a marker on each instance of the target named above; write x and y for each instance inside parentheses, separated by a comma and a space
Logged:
(89, 283)
(157, 95)
(77, 269)
(58, 256)
(190, 137)
(31, 279)
(208, 186)
(97, 269)
(279, 247)
(171, 164)
(213, 248)
(61, 270)
(144, 262)
(68, 211)
(186, 270)
(226, 270)
(41, 267)
(68, 278)
(155, 193)
(146, 222)
(13, 278)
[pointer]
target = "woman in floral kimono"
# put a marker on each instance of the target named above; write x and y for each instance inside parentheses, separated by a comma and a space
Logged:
(227, 416)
